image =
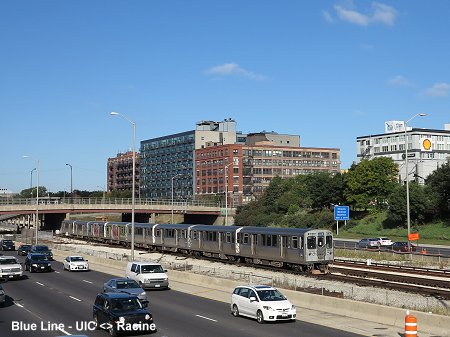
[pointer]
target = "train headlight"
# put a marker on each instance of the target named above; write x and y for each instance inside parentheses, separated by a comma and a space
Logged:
(266, 307)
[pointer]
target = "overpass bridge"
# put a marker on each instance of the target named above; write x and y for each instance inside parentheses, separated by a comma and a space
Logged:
(53, 210)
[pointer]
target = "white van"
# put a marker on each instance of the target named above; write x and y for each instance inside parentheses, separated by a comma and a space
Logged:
(148, 274)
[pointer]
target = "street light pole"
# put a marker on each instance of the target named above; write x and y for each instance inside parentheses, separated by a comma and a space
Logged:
(179, 174)
(31, 181)
(226, 192)
(37, 200)
(133, 200)
(71, 188)
(408, 214)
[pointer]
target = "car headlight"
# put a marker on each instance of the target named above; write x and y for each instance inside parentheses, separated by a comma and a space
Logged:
(148, 316)
(266, 307)
(143, 293)
(34, 265)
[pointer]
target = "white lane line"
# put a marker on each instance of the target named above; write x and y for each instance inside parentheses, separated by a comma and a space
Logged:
(88, 281)
(19, 305)
(57, 272)
(41, 284)
(74, 298)
(209, 319)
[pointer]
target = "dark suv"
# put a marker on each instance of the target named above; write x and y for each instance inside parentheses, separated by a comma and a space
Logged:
(41, 249)
(7, 244)
(37, 262)
(121, 313)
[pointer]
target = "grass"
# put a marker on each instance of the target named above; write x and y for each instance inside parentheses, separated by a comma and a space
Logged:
(372, 226)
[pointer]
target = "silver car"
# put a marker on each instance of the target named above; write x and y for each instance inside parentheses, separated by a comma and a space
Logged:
(126, 286)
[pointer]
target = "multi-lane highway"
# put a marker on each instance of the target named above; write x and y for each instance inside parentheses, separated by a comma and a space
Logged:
(60, 304)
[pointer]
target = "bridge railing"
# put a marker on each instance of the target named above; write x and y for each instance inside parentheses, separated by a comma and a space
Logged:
(107, 201)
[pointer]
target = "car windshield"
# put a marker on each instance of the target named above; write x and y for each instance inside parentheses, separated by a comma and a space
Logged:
(25, 247)
(385, 239)
(41, 248)
(76, 258)
(39, 257)
(270, 295)
(151, 269)
(7, 242)
(128, 284)
(126, 304)
(8, 261)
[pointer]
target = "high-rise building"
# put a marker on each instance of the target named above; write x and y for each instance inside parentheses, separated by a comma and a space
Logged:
(120, 172)
(427, 148)
(168, 161)
(247, 169)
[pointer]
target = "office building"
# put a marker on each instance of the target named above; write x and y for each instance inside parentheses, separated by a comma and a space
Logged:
(427, 150)
(120, 172)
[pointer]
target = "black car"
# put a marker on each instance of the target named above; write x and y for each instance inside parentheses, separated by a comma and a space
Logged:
(37, 262)
(7, 244)
(23, 250)
(42, 249)
(122, 313)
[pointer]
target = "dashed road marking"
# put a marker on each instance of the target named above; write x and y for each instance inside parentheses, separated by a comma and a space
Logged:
(209, 319)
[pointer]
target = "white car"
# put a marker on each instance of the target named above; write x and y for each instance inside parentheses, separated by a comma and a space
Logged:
(384, 242)
(74, 263)
(262, 302)
(10, 268)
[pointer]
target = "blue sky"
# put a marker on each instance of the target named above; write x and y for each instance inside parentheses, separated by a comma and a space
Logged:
(327, 70)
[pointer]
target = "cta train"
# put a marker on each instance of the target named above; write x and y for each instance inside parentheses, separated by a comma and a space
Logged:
(305, 250)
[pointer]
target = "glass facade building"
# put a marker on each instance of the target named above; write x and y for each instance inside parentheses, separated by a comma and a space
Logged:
(166, 159)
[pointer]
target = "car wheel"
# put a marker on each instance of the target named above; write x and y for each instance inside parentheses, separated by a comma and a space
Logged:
(95, 318)
(259, 317)
(235, 311)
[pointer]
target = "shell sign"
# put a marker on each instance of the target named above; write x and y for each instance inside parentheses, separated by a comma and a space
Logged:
(427, 145)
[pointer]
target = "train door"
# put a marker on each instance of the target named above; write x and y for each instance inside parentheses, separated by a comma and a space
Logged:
(321, 247)
(220, 236)
(283, 245)
(254, 243)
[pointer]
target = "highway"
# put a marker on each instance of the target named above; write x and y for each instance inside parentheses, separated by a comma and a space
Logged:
(60, 303)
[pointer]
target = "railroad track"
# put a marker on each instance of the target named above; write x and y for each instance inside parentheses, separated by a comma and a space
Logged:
(429, 282)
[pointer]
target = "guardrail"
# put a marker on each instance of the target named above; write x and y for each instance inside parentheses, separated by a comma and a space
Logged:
(105, 201)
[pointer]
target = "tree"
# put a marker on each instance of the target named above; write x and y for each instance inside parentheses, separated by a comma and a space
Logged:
(371, 182)
(439, 182)
(31, 192)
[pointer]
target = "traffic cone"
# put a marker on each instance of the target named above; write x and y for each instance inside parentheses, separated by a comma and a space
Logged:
(410, 325)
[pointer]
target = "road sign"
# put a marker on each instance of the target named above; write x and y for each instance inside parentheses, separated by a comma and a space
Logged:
(341, 213)
(413, 236)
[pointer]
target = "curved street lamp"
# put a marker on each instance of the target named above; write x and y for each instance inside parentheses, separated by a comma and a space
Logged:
(133, 201)
(408, 214)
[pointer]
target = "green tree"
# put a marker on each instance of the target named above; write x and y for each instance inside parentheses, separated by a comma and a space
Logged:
(370, 182)
(439, 182)
(31, 192)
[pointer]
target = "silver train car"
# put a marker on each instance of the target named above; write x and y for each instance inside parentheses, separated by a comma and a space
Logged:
(300, 249)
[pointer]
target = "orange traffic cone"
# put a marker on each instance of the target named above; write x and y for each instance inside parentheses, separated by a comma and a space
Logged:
(410, 325)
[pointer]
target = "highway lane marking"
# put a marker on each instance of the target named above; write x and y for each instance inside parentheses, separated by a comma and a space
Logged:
(19, 305)
(57, 272)
(74, 298)
(41, 284)
(88, 281)
(64, 331)
(209, 319)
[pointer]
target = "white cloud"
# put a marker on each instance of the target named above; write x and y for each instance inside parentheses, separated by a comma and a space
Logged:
(381, 14)
(327, 16)
(399, 81)
(230, 69)
(384, 14)
(438, 90)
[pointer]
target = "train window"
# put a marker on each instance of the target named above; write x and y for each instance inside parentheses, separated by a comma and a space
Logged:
(263, 239)
(302, 242)
(239, 238)
(194, 235)
(228, 237)
(255, 239)
(294, 242)
(212, 236)
(329, 241)
(274, 240)
(320, 241)
(246, 238)
(311, 242)
(158, 232)
(170, 233)
(268, 240)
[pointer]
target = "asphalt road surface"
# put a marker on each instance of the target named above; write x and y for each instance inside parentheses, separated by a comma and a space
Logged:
(60, 303)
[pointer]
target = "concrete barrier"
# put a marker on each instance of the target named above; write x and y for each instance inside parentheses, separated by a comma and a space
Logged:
(220, 289)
